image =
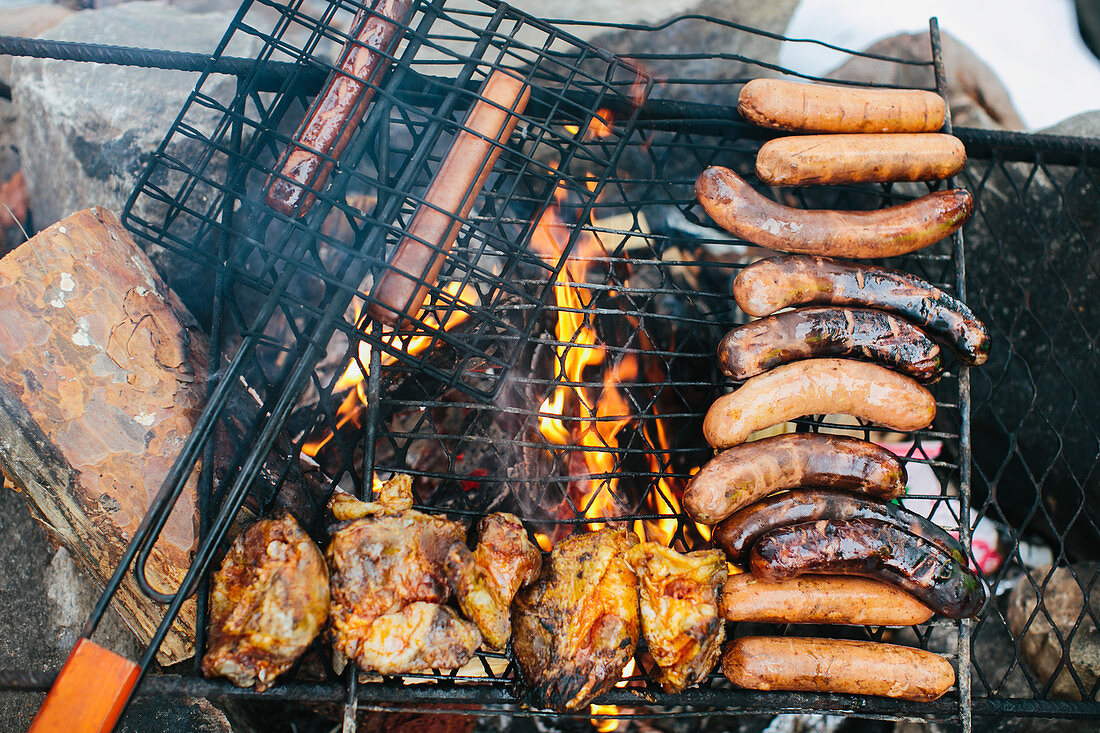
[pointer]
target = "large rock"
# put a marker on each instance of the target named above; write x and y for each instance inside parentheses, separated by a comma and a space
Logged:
(1063, 620)
(86, 131)
(44, 601)
(693, 35)
(977, 97)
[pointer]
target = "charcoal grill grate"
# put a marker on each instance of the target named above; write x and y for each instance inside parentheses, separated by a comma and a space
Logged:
(463, 417)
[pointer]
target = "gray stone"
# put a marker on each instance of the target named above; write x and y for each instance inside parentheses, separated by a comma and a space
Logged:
(693, 36)
(27, 21)
(86, 131)
(1084, 124)
(44, 601)
(977, 97)
(1043, 633)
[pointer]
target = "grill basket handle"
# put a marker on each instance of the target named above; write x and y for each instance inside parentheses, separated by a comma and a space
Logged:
(89, 693)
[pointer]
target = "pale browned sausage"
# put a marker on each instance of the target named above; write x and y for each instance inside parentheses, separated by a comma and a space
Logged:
(743, 211)
(418, 260)
(335, 113)
(820, 159)
(820, 599)
(802, 107)
(746, 473)
(819, 387)
(835, 665)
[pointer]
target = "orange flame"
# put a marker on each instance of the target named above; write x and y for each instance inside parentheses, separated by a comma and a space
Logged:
(573, 415)
(444, 312)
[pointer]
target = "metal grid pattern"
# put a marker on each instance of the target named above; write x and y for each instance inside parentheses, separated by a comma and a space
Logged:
(652, 280)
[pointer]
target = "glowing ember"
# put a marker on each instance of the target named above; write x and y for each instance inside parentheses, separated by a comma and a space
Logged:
(444, 312)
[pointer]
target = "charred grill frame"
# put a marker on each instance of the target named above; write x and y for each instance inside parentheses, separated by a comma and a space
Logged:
(485, 361)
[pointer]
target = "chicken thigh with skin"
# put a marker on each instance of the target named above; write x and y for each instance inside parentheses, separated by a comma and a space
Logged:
(577, 626)
(679, 604)
(486, 580)
(388, 585)
(269, 600)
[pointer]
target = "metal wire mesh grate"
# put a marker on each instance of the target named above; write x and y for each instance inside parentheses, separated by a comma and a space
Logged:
(586, 248)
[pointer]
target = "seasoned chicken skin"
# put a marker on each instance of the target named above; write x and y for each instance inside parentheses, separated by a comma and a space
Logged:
(269, 600)
(679, 602)
(577, 626)
(387, 584)
(486, 580)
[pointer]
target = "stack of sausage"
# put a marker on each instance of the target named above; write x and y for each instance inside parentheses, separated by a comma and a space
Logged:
(860, 341)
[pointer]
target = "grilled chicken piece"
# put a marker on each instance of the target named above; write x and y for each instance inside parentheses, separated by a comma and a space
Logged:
(486, 580)
(270, 599)
(387, 582)
(679, 600)
(576, 628)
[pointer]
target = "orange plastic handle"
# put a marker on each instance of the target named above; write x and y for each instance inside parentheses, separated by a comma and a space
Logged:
(89, 693)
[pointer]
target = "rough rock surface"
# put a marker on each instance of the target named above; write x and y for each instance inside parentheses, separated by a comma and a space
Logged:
(44, 601)
(1085, 124)
(1063, 609)
(86, 131)
(977, 97)
(694, 36)
(27, 21)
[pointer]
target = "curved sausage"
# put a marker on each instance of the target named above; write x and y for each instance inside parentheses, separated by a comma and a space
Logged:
(836, 665)
(819, 599)
(738, 533)
(771, 284)
(743, 211)
(746, 473)
(819, 387)
(335, 114)
(803, 107)
(859, 333)
(802, 160)
(871, 549)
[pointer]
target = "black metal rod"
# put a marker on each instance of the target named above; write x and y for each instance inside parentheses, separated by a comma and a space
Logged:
(662, 113)
(962, 675)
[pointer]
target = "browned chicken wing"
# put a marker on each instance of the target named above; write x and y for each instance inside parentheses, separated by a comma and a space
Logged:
(387, 582)
(577, 626)
(679, 601)
(486, 580)
(269, 600)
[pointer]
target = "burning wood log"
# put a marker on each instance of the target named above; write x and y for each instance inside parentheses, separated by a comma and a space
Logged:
(103, 374)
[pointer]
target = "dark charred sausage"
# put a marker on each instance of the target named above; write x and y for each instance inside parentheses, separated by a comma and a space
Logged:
(871, 549)
(738, 533)
(335, 113)
(741, 210)
(746, 473)
(819, 387)
(801, 107)
(859, 333)
(836, 665)
(769, 285)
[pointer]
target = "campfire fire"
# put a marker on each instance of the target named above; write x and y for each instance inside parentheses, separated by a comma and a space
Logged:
(595, 396)
(577, 414)
(444, 312)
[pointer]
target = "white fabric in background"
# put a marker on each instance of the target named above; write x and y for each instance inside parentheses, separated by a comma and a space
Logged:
(1032, 45)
